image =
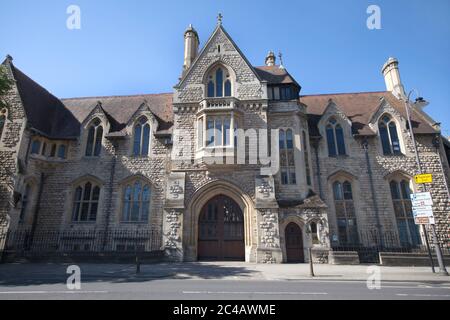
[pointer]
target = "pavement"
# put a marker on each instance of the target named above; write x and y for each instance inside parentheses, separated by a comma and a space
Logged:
(224, 281)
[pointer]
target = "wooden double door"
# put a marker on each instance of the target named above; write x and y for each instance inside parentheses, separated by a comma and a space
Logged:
(221, 231)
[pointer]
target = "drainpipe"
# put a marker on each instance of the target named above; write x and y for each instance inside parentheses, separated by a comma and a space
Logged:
(36, 210)
(110, 196)
(318, 173)
(365, 145)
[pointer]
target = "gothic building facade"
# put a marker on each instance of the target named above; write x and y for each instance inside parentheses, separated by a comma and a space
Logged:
(234, 164)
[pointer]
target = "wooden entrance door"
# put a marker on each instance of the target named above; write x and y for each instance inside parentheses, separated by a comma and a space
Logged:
(221, 231)
(294, 243)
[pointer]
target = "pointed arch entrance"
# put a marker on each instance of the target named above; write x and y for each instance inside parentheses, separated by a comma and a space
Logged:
(294, 243)
(221, 234)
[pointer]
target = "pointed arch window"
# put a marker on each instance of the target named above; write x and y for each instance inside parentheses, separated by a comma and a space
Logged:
(25, 202)
(407, 229)
(94, 139)
(136, 201)
(85, 203)
(2, 123)
(141, 137)
(335, 138)
(287, 159)
(389, 136)
(345, 213)
(219, 83)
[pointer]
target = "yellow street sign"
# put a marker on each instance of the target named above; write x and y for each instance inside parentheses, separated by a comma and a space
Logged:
(423, 178)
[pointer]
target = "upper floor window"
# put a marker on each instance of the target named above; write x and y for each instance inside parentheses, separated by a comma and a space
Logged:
(407, 229)
(62, 151)
(335, 138)
(287, 159)
(219, 83)
(281, 93)
(85, 203)
(218, 131)
(136, 202)
(141, 137)
(36, 147)
(345, 213)
(389, 136)
(25, 202)
(306, 153)
(94, 139)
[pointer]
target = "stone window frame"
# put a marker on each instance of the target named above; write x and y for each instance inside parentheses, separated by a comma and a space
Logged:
(142, 120)
(399, 176)
(25, 214)
(307, 157)
(3, 122)
(290, 168)
(334, 124)
(70, 200)
(202, 131)
(210, 75)
(341, 177)
(130, 181)
(393, 118)
(86, 133)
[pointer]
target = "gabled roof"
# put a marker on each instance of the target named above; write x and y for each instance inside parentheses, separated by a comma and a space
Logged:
(275, 75)
(218, 29)
(359, 108)
(45, 112)
(122, 108)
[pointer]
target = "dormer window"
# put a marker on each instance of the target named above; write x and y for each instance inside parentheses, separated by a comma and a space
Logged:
(284, 92)
(389, 136)
(219, 83)
(141, 137)
(94, 139)
(335, 138)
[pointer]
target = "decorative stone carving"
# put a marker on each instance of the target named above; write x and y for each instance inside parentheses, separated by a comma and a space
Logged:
(175, 190)
(173, 225)
(265, 192)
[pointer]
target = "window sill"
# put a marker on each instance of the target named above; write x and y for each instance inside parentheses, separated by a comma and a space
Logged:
(134, 222)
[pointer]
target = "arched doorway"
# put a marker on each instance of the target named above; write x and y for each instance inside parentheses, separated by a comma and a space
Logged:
(294, 243)
(221, 231)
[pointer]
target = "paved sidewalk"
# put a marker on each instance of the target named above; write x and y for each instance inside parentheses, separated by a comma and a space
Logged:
(49, 273)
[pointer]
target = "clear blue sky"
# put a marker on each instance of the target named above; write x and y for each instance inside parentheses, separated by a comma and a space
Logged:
(130, 47)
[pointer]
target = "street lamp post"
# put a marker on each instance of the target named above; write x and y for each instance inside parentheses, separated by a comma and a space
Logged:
(420, 101)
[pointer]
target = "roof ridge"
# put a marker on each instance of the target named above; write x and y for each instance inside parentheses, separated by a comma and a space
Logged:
(117, 96)
(341, 93)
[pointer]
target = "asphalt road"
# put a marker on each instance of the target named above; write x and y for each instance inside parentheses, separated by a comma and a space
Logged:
(167, 289)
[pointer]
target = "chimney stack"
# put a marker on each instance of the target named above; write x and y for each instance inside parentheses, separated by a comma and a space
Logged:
(191, 44)
(392, 79)
(270, 59)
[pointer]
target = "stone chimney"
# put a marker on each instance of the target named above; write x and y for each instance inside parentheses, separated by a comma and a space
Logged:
(270, 59)
(191, 44)
(392, 79)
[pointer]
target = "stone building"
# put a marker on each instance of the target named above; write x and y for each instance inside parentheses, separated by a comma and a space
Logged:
(235, 164)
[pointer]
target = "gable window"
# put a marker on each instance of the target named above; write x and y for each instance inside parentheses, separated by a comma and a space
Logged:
(85, 203)
(136, 202)
(408, 231)
(219, 83)
(306, 153)
(389, 136)
(287, 160)
(94, 139)
(335, 138)
(345, 213)
(141, 137)
(25, 202)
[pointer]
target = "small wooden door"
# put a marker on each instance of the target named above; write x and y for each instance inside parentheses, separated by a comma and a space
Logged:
(221, 231)
(294, 243)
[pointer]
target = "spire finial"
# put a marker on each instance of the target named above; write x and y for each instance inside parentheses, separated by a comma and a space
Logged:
(280, 55)
(219, 19)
